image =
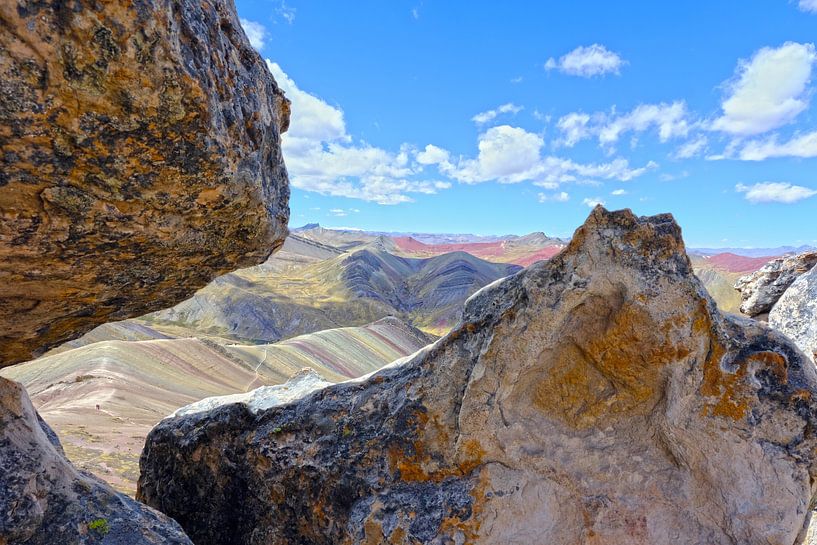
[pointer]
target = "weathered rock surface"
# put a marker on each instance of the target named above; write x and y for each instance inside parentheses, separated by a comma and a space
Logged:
(795, 313)
(760, 290)
(139, 158)
(44, 500)
(598, 398)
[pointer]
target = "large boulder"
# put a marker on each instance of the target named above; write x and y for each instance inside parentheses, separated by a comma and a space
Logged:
(597, 398)
(760, 290)
(795, 313)
(139, 158)
(44, 500)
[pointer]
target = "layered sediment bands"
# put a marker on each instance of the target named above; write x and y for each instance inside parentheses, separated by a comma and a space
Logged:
(596, 398)
(139, 158)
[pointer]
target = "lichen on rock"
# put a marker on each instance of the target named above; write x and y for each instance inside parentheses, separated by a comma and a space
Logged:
(139, 158)
(596, 398)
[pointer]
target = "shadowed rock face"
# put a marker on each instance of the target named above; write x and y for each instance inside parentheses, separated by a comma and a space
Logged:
(139, 158)
(760, 290)
(795, 313)
(597, 398)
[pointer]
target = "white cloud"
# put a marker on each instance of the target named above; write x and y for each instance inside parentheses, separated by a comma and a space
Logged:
(694, 147)
(575, 128)
(432, 155)
(484, 117)
(322, 157)
(768, 91)
(593, 202)
(775, 192)
(341, 212)
(562, 196)
(507, 154)
(312, 118)
(511, 154)
(255, 32)
(517, 79)
(803, 145)
(669, 119)
(618, 192)
(587, 62)
(808, 6)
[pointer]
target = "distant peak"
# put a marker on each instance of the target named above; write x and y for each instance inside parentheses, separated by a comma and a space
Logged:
(309, 226)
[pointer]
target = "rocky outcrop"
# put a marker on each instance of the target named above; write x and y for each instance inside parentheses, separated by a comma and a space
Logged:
(44, 500)
(760, 290)
(139, 158)
(596, 398)
(795, 313)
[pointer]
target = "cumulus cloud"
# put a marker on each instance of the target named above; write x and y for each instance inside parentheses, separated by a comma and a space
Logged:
(484, 117)
(507, 154)
(433, 155)
(802, 145)
(587, 62)
(511, 155)
(593, 202)
(768, 91)
(561, 196)
(809, 6)
(618, 192)
(255, 32)
(322, 157)
(775, 192)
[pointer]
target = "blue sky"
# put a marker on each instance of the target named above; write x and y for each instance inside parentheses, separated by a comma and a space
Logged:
(512, 117)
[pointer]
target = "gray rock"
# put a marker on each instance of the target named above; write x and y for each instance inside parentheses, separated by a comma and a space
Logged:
(598, 398)
(795, 313)
(45, 501)
(760, 290)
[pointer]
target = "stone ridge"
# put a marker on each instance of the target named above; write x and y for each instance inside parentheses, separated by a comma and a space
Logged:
(596, 398)
(139, 158)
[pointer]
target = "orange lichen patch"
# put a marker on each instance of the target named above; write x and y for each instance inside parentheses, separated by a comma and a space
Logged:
(469, 528)
(728, 388)
(611, 364)
(774, 362)
(421, 466)
(800, 395)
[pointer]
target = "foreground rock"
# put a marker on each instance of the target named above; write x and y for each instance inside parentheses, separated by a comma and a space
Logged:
(139, 158)
(795, 313)
(599, 398)
(760, 290)
(44, 500)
